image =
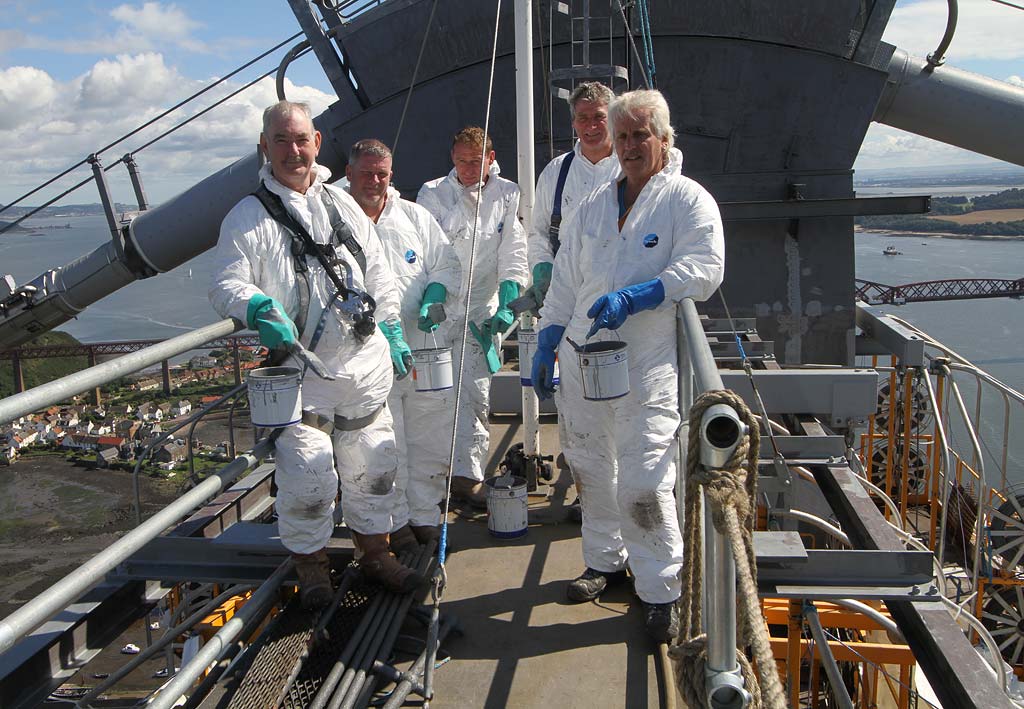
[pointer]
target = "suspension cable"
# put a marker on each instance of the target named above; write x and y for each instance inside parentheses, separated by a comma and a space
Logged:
(145, 145)
(147, 124)
(412, 83)
(441, 575)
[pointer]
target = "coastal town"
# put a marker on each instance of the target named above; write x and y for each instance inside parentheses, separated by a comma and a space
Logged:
(130, 419)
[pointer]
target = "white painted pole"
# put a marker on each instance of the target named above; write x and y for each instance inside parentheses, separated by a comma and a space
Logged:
(525, 162)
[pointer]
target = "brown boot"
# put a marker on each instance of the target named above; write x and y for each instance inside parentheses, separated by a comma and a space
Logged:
(314, 572)
(380, 565)
(470, 491)
(427, 533)
(403, 540)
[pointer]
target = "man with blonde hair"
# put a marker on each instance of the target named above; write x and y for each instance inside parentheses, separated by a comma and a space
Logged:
(473, 187)
(298, 261)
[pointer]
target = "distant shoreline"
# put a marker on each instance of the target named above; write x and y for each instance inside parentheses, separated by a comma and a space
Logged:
(938, 235)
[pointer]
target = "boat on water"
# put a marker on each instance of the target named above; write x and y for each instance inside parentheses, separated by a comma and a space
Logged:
(891, 251)
(885, 555)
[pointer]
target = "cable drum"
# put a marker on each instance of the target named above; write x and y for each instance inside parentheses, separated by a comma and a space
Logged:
(920, 410)
(1006, 531)
(916, 475)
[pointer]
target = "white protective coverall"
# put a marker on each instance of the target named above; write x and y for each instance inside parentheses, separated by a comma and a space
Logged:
(254, 256)
(500, 256)
(583, 178)
(622, 450)
(419, 254)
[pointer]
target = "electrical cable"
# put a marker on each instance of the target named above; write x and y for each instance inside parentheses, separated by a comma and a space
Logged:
(412, 82)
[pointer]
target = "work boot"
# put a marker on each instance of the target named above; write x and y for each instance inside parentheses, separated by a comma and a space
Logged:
(469, 491)
(592, 583)
(662, 621)
(314, 572)
(403, 540)
(379, 564)
(427, 533)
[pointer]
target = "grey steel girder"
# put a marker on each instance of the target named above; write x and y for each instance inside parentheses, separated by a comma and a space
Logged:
(895, 338)
(844, 396)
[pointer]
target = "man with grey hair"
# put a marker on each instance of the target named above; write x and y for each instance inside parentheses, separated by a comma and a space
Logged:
(562, 185)
(426, 274)
(298, 261)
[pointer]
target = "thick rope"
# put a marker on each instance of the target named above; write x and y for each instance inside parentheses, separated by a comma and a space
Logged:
(730, 493)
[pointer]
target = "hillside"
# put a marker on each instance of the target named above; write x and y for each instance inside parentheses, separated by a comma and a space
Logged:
(40, 371)
(1000, 214)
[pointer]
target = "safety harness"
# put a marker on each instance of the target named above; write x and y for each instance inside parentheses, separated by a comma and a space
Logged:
(302, 247)
(556, 209)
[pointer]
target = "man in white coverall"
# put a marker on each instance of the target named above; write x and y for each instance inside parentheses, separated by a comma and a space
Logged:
(500, 272)
(268, 277)
(633, 249)
(561, 187)
(426, 274)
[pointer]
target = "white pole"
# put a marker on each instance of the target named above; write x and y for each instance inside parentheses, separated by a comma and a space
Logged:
(525, 158)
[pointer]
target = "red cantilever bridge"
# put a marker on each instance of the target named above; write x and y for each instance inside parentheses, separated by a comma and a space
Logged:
(92, 350)
(951, 289)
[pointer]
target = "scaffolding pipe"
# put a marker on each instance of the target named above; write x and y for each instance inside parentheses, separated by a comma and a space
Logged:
(839, 690)
(64, 388)
(56, 598)
(170, 693)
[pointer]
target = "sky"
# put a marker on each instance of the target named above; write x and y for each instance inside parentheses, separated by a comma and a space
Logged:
(78, 74)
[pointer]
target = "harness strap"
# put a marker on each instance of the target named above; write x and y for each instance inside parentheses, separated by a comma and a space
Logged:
(342, 230)
(556, 209)
(339, 423)
(275, 208)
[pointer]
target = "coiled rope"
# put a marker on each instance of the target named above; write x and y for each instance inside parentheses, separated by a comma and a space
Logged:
(730, 492)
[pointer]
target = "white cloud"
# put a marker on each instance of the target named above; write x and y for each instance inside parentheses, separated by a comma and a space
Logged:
(154, 21)
(24, 92)
(985, 30)
(885, 146)
(1015, 80)
(46, 126)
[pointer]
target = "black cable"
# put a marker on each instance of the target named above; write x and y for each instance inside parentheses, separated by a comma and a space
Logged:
(412, 83)
(144, 146)
(150, 122)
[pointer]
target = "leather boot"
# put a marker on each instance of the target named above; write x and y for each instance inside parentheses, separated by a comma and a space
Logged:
(403, 540)
(427, 533)
(314, 572)
(379, 564)
(469, 491)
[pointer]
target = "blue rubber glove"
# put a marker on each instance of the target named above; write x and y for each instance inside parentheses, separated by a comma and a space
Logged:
(611, 310)
(267, 316)
(541, 282)
(434, 293)
(401, 355)
(543, 371)
(504, 317)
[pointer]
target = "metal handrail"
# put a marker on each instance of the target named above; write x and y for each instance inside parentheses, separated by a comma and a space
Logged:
(64, 388)
(719, 601)
(56, 598)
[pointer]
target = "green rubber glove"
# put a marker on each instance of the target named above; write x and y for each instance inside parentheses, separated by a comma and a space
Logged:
(504, 317)
(541, 282)
(267, 316)
(434, 293)
(401, 355)
(482, 335)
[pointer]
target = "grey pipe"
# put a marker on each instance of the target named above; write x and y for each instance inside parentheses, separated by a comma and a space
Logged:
(957, 107)
(169, 635)
(170, 693)
(156, 241)
(887, 623)
(64, 388)
(50, 602)
(835, 679)
(937, 57)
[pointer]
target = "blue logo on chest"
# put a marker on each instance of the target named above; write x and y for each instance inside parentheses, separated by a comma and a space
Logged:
(650, 241)
(410, 256)
(501, 225)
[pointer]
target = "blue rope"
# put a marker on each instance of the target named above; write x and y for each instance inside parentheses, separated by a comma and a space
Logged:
(648, 39)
